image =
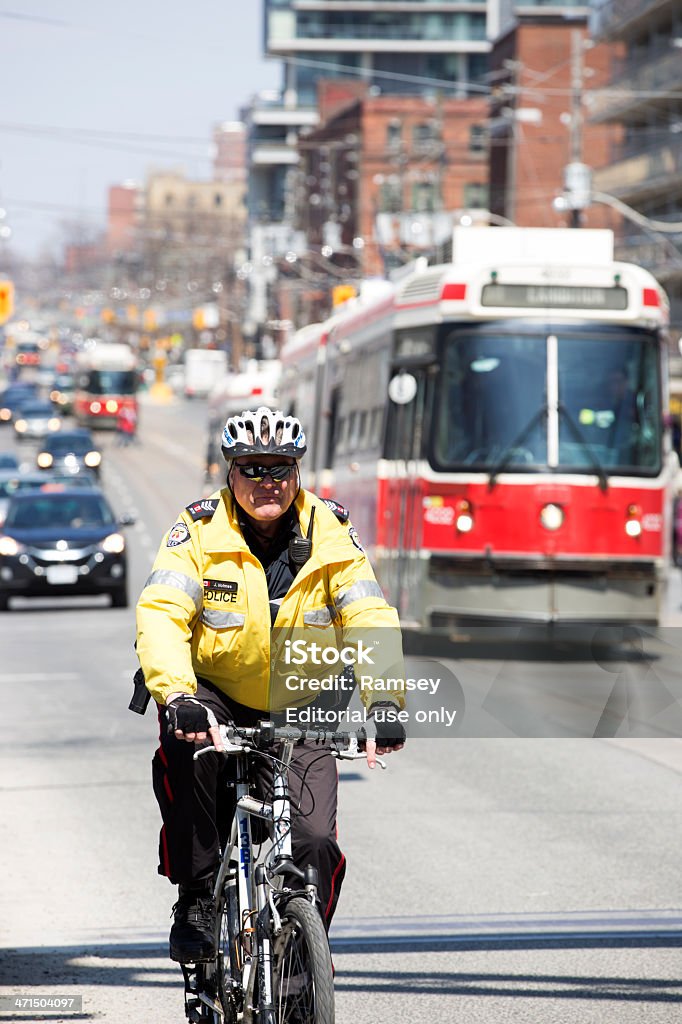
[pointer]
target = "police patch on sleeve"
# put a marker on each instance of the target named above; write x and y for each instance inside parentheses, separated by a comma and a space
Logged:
(353, 534)
(178, 534)
(203, 509)
(341, 513)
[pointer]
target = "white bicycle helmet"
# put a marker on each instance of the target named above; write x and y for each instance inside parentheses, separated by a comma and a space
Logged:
(263, 432)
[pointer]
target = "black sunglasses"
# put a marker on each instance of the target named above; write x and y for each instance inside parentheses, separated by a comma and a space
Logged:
(258, 473)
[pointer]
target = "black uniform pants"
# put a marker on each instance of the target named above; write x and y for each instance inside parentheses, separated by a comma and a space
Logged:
(197, 806)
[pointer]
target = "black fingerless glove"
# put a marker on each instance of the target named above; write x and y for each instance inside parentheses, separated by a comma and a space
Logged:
(187, 715)
(387, 729)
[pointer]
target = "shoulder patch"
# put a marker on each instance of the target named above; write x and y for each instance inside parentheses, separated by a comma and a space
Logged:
(341, 513)
(203, 509)
(177, 535)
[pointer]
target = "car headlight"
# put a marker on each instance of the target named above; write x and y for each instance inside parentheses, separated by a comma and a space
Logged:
(44, 460)
(5, 414)
(20, 426)
(114, 544)
(9, 546)
(92, 459)
(54, 424)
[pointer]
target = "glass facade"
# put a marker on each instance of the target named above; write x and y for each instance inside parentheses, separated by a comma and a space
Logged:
(397, 25)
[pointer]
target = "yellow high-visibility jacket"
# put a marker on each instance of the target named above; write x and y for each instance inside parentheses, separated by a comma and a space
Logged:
(205, 611)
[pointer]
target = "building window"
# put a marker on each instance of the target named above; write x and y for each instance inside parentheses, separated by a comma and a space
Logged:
(476, 196)
(478, 139)
(391, 195)
(424, 197)
(423, 134)
(394, 133)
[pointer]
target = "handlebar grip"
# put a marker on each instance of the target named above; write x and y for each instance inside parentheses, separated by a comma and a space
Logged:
(141, 695)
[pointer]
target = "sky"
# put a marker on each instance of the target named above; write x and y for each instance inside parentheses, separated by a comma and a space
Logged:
(98, 92)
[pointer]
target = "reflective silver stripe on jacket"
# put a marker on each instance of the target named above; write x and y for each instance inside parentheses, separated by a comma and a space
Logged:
(318, 617)
(360, 589)
(216, 619)
(170, 578)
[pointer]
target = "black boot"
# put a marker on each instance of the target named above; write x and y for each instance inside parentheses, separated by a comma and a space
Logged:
(192, 936)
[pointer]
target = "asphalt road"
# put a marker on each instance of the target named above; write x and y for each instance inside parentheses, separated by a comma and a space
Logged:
(490, 877)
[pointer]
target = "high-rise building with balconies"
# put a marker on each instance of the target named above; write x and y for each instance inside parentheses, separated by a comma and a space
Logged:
(427, 49)
(644, 96)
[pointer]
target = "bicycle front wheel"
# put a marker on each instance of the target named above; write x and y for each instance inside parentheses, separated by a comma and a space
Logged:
(302, 982)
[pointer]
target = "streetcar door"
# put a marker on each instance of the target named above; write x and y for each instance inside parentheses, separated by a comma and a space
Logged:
(403, 448)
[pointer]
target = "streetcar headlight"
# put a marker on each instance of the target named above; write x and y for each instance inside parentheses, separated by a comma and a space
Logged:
(633, 522)
(552, 516)
(111, 405)
(95, 407)
(464, 519)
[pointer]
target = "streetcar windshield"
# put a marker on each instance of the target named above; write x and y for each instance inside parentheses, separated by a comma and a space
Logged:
(609, 392)
(493, 411)
(109, 382)
(492, 387)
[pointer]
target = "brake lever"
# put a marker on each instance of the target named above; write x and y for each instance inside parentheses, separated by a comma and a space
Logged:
(355, 755)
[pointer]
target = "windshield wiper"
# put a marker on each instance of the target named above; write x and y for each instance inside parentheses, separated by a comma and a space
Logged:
(508, 451)
(593, 461)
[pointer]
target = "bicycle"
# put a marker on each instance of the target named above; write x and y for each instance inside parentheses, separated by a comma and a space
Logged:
(273, 964)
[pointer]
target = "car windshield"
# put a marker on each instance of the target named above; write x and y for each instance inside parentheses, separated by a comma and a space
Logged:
(37, 409)
(8, 460)
(70, 444)
(15, 391)
(46, 512)
(493, 410)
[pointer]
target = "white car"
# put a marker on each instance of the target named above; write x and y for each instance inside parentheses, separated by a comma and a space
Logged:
(36, 419)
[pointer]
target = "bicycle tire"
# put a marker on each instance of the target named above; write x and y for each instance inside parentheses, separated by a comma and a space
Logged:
(229, 968)
(302, 980)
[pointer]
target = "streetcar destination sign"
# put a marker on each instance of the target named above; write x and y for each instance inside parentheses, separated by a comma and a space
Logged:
(554, 296)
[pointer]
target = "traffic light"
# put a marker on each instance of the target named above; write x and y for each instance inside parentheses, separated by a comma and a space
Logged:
(6, 300)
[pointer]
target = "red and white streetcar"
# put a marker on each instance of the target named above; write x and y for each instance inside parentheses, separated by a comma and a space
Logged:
(106, 382)
(496, 427)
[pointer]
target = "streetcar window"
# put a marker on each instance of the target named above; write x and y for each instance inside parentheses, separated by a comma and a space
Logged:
(404, 427)
(491, 401)
(608, 387)
(362, 428)
(353, 424)
(376, 427)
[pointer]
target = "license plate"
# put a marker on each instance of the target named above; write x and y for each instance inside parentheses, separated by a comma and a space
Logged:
(60, 574)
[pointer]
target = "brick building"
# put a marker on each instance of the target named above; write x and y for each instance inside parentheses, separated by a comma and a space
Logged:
(543, 72)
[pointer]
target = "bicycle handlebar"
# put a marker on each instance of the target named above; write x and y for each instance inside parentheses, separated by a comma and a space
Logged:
(344, 745)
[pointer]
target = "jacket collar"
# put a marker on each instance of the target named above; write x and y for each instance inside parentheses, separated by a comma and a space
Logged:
(222, 532)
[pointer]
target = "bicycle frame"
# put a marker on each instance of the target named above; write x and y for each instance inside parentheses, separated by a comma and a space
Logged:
(258, 920)
(256, 895)
(238, 852)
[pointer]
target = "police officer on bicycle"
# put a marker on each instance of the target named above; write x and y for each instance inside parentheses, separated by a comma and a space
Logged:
(259, 558)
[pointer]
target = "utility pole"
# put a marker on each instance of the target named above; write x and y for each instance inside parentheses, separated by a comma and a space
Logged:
(576, 110)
